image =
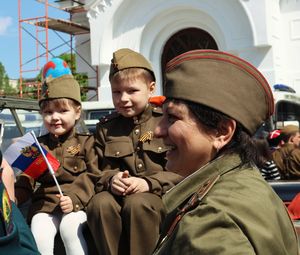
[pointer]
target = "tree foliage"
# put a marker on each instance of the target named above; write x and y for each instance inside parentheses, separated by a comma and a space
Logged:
(5, 87)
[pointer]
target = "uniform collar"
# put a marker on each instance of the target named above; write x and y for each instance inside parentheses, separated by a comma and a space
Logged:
(62, 138)
(188, 186)
(145, 116)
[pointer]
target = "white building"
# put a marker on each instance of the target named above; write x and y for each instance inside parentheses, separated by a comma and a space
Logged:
(264, 32)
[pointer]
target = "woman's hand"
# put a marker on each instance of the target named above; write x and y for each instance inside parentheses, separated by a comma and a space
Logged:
(65, 203)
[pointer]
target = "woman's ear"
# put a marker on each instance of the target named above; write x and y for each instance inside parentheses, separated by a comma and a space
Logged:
(224, 134)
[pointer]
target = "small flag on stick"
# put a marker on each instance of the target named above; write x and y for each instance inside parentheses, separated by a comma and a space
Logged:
(28, 156)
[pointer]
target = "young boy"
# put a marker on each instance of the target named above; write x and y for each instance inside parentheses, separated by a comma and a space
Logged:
(60, 107)
(125, 214)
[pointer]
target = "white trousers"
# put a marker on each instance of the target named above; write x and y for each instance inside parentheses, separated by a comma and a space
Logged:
(44, 227)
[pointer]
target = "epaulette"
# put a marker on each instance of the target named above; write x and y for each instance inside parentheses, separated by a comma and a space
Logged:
(84, 133)
(157, 109)
(108, 117)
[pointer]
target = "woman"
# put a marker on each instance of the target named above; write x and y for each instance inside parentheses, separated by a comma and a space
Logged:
(215, 102)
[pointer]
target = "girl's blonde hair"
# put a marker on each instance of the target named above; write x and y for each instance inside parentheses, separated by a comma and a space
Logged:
(60, 102)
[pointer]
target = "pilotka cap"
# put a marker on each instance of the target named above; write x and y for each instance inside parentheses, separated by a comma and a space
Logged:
(58, 81)
(127, 58)
(222, 82)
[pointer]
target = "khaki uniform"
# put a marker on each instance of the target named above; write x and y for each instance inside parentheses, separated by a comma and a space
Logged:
(131, 222)
(220, 221)
(287, 159)
(76, 175)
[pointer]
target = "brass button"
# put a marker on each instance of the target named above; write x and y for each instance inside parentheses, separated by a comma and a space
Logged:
(77, 206)
(138, 148)
(117, 153)
(159, 149)
(140, 166)
(135, 120)
(75, 167)
(137, 131)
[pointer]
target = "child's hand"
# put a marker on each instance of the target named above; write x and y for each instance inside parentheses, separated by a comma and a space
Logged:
(135, 185)
(65, 203)
(117, 184)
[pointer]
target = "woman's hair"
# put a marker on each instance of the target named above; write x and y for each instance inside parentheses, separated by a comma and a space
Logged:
(131, 74)
(241, 142)
(59, 102)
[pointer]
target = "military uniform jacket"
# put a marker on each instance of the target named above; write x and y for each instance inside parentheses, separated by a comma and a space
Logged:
(128, 144)
(240, 214)
(76, 175)
(287, 159)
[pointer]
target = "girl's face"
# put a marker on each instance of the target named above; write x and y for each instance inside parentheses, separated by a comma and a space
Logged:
(191, 145)
(130, 97)
(59, 119)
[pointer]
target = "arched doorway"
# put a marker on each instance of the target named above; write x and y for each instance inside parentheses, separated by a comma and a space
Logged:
(185, 40)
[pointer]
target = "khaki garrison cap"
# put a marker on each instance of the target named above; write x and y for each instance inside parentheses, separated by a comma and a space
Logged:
(58, 81)
(223, 82)
(127, 58)
(289, 130)
(62, 87)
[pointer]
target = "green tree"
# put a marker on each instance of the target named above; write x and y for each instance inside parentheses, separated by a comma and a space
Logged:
(5, 88)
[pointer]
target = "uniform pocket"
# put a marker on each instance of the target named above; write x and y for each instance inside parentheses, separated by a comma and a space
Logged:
(119, 148)
(74, 165)
(155, 145)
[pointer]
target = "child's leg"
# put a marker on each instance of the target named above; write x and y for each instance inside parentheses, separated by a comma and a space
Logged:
(70, 229)
(105, 223)
(142, 215)
(44, 228)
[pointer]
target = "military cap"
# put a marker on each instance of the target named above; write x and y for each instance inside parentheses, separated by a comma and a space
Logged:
(289, 130)
(58, 81)
(127, 58)
(222, 82)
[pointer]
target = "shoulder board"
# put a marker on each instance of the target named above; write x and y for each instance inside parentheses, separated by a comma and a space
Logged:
(109, 117)
(157, 109)
(83, 134)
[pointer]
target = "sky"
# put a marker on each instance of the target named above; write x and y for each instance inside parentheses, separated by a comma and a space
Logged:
(9, 37)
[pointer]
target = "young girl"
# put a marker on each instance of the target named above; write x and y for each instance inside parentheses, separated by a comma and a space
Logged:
(50, 212)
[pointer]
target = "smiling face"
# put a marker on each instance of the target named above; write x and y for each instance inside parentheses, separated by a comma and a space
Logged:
(60, 116)
(192, 146)
(131, 92)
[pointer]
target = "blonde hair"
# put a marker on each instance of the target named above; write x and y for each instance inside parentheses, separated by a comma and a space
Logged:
(132, 74)
(60, 102)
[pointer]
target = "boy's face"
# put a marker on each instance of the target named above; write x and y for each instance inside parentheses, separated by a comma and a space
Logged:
(60, 119)
(130, 98)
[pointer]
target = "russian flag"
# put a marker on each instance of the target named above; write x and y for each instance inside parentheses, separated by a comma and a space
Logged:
(24, 156)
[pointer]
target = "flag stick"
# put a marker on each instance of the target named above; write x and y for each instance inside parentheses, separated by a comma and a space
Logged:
(47, 162)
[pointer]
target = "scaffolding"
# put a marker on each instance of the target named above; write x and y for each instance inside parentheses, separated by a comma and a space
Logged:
(39, 35)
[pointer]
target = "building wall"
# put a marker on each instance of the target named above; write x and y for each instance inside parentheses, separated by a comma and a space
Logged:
(264, 32)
